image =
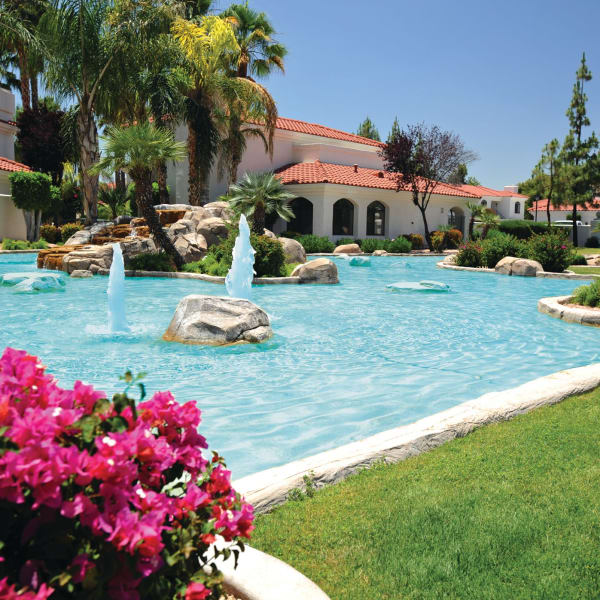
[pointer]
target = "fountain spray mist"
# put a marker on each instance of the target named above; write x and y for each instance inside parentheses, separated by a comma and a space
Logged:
(239, 279)
(116, 292)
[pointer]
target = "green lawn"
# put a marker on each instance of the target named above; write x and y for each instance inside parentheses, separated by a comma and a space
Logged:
(512, 511)
(585, 251)
(585, 270)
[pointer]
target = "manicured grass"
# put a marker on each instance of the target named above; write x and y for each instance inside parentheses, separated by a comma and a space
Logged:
(586, 251)
(585, 270)
(512, 511)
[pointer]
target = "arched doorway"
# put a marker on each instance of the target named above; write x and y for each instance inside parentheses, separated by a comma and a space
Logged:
(343, 217)
(456, 218)
(303, 216)
(376, 219)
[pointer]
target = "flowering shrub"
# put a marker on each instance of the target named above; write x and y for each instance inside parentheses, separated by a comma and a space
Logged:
(107, 499)
(496, 247)
(438, 241)
(552, 250)
(469, 255)
(417, 241)
(69, 229)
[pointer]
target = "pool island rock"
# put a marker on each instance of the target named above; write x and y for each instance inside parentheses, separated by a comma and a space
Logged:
(320, 270)
(218, 321)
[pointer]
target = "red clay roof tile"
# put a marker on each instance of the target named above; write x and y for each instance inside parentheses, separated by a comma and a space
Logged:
(543, 204)
(11, 165)
(318, 172)
(481, 190)
(322, 131)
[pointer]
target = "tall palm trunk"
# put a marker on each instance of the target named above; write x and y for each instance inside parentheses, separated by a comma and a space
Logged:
(143, 197)
(163, 193)
(258, 218)
(34, 91)
(471, 226)
(24, 78)
(89, 151)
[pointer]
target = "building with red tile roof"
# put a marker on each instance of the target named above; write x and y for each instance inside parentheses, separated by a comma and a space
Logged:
(588, 213)
(340, 186)
(12, 222)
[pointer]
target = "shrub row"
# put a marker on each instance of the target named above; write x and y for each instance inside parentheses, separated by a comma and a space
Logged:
(54, 234)
(588, 295)
(151, 261)
(522, 230)
(314, 244)
(8, 244)
(269, 258)
(550, 249)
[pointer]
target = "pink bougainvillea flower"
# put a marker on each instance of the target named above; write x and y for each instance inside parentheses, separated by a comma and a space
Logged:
(196, 591)
(80, 565)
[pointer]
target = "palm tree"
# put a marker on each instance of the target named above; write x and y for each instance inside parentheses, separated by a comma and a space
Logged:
(258, 195)
(259, 56)
(488, 219)
(475, 210)
(209, 49)
(82, 46)
(137, 150)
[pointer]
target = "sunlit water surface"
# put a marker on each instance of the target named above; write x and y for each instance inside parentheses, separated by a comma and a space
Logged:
(346, 361)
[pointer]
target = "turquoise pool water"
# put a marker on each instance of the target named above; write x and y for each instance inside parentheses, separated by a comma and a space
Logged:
(347, 361)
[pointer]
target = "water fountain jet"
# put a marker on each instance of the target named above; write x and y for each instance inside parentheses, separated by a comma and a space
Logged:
(239, 279)
(116, 292)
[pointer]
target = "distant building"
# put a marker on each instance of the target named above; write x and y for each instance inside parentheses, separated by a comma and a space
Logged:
(12, 222)
(506, 203)
(589, 213)
(340, 187)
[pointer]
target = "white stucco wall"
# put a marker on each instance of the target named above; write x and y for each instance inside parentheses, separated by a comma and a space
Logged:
(12, 223)
(402, 216)
(587, 216)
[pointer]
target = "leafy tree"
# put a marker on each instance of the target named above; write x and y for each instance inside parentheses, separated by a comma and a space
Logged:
(259, 56)
(367, 129)
(40, 140)
(459, 176)
(421, 157)
(578, 156)
(137, 150)
(31, 192)
(394, 131)
(546, 177)
(258, 195)
(472, 180)
(82, 46)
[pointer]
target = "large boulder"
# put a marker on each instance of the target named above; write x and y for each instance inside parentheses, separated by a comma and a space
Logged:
(181, 227)
(219, 209)
(196, 213)
(88, 258)
(294, 251)
(320, 270)
(79, 237)
(133, 246)
(173, 207)
(347, 249)
(525, 267)
(218, 321)
(522, 267)
(191, 246)
(380, 253)
(270, 234)
(80, 274)
(213, 229)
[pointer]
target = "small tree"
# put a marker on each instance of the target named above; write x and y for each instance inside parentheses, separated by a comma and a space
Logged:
(421, 157)
(32, 194)
(40, 140)
(257, 195)
(367, 129)
(475, 210)
(137, 150)
(577, 154)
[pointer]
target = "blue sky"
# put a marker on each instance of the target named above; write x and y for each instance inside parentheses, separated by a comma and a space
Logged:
(498, 73)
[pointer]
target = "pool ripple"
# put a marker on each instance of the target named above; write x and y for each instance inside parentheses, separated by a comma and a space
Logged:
(345, 362)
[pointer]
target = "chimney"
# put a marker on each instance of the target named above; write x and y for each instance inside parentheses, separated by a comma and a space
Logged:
(356, 168)
(513, 189)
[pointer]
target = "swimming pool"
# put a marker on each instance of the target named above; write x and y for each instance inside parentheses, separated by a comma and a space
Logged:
(346, 361)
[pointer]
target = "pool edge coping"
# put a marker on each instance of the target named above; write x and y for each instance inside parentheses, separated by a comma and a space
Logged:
(268, 488)
(542, 274)
(554, 306)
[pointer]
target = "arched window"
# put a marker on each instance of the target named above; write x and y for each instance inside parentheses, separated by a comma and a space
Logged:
(456, 218)
(376, 219)
(343, 217)
(483, 203)
(303, 216)
(517, 208)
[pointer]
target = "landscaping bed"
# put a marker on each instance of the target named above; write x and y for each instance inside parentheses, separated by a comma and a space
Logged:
(511, 511)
